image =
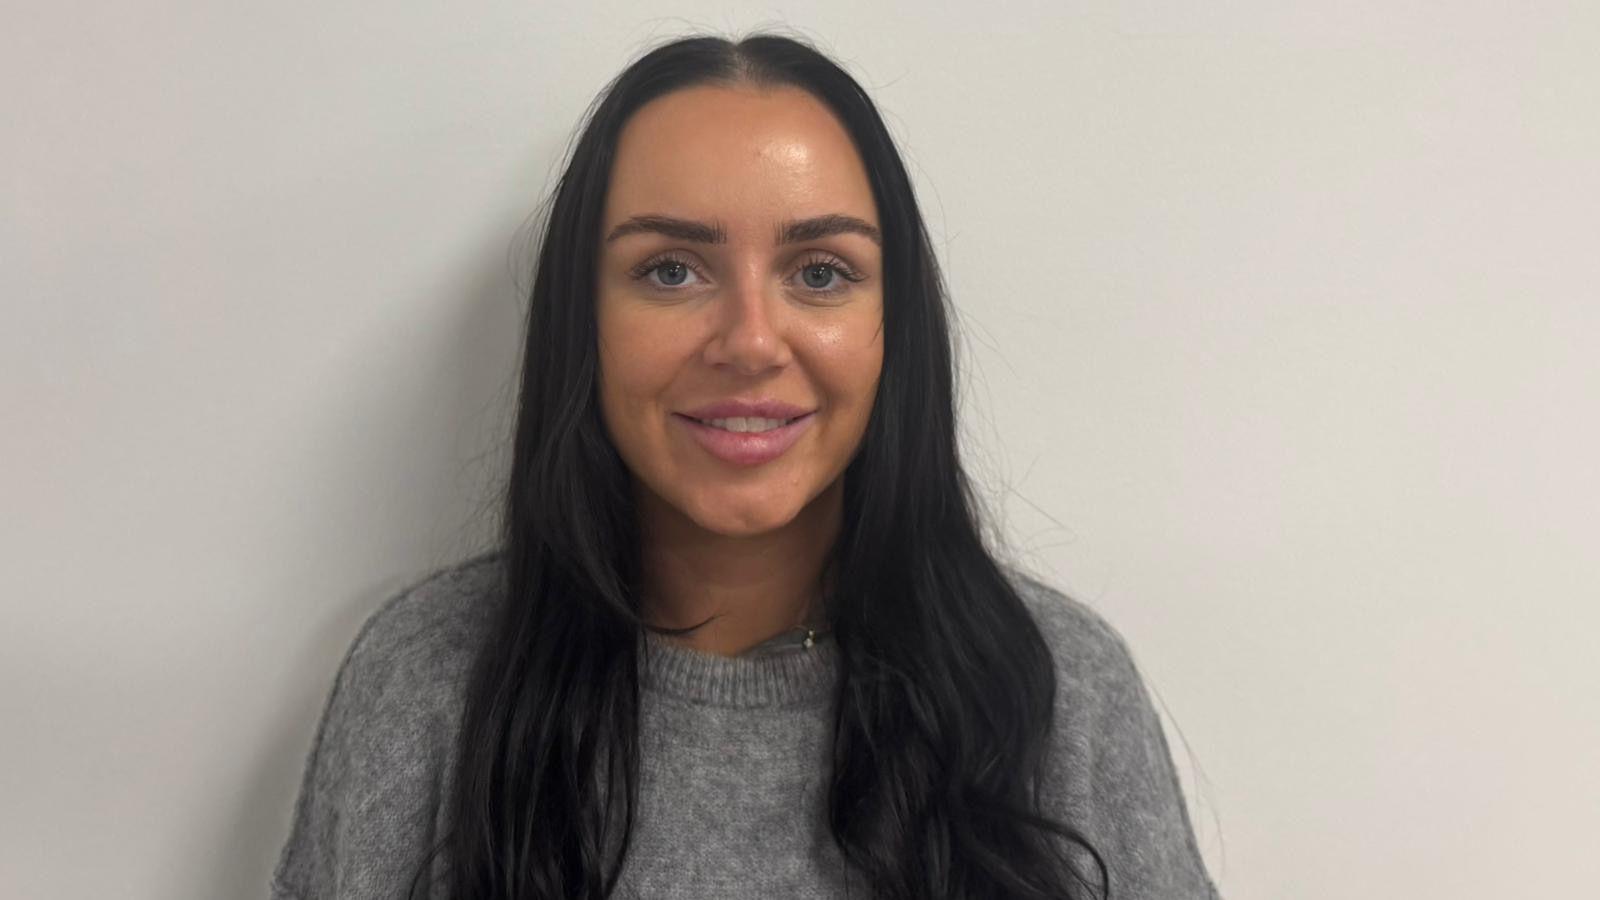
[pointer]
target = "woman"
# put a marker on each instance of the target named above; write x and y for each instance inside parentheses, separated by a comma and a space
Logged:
(744, 636)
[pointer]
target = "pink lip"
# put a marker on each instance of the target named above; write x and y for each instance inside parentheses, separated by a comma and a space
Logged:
(757, 409)
(746, 448)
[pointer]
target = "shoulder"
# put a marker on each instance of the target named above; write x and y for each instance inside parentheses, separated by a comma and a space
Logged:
(1112, 770)
(429, 629)
(381, 756)
(399, 689)
(1087, 648)
(1102, 702)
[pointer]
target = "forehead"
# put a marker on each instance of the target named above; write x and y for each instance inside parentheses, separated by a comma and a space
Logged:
(737, 154)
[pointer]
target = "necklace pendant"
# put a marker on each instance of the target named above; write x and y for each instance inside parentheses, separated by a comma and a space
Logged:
(811, 639)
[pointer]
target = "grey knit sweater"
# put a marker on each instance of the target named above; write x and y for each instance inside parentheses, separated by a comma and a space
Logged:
(734, 752)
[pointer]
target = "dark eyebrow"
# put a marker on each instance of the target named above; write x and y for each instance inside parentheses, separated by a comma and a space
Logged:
(821, 226)
(682, 229)
(712, 232)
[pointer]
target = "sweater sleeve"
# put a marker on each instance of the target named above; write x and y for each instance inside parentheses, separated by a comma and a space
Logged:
(1111, 774)
(369, 809)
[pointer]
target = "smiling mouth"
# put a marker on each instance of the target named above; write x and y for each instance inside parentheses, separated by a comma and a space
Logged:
(761, 440)
(747, 424)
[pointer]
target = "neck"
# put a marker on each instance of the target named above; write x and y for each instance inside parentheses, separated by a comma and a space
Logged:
(746, 589)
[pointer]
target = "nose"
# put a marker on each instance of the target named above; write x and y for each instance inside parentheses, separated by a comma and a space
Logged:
(748, 336)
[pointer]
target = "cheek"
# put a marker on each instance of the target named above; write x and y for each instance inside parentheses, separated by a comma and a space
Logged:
(623, 374)
(851, 356)
(638, 361)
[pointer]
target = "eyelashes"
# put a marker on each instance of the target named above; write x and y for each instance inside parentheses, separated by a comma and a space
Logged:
(846, 275)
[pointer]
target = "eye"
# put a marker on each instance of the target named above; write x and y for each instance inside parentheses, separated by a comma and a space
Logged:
(822, 274)
(675, 271)
(826, 274)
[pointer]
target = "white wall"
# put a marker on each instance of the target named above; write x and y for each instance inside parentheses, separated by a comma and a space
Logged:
(1282, 330)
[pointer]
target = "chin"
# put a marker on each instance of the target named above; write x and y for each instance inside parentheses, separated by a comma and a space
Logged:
(743, 519)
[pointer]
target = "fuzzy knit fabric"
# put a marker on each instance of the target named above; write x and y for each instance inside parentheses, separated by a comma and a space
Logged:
(734, 760)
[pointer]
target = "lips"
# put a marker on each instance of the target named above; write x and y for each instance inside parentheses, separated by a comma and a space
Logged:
(747, 409)
(746, 448)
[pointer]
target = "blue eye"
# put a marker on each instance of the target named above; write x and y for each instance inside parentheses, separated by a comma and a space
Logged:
(683, 272)
(824, 266)
(816, 273)
(674, 271)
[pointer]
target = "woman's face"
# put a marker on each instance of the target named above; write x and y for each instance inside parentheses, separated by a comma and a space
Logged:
(740, 264)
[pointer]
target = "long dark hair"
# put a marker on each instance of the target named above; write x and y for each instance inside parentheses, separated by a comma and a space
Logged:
(944, 705)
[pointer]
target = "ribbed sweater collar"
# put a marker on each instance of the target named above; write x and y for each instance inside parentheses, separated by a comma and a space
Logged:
(777, 673)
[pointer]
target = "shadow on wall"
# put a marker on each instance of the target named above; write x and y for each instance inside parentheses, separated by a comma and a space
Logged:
(415, 437)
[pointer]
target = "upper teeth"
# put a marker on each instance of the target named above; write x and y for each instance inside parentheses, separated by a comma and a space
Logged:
(747, 424)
